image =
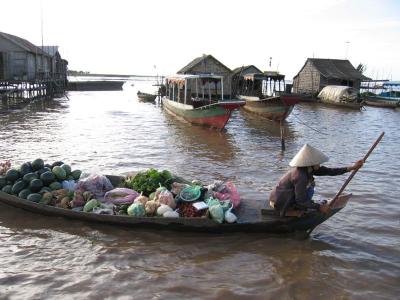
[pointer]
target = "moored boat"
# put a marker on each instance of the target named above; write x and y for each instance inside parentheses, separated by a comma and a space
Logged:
(343, 96)
(389, 96)
(199, 99)
(263, 95)
(145, 97)
(251, 218)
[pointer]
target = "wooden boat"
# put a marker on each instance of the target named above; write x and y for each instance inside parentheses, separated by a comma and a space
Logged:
(146, 97)
(199, 99)
(271, 102)
(388, 97)
(251, 218)
(342, 96)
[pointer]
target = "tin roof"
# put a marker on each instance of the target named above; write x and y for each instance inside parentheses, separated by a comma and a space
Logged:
(199, 60)
(243, 68)
(28, 46)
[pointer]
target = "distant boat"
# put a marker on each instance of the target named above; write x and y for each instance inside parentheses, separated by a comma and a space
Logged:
(145, 97)
(390, 97)
(199, 99)
(273, 104)
(338, 95)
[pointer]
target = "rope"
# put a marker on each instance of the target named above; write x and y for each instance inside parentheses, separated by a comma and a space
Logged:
(308, 125)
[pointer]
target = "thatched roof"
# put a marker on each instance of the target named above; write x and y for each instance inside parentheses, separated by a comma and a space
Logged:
(335, 68)
(24, 44)
(199, 60)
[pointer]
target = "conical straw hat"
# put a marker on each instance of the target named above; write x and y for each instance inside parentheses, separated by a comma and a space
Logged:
(308, 156)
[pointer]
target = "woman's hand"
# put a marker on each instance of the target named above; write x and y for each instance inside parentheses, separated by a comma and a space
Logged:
(325, 208)
(358, 164)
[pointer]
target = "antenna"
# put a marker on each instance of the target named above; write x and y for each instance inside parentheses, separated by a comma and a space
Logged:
(347, 48)
(41, 29)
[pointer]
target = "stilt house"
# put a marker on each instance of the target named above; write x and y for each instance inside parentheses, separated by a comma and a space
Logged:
(318, 73)
(208, 64)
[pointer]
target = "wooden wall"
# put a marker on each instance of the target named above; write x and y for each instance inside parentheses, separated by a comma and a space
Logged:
(212, 66)
(308, 80)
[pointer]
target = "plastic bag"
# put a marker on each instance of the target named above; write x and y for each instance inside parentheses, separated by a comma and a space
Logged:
(166, 197)
(136, 210)
(217, 213)
(97, 184)
(229, 216)
(228, 193)
(4, 167)
(90, 205)
(177, 187)
(69, 185)
(120, 196)
(104, 209)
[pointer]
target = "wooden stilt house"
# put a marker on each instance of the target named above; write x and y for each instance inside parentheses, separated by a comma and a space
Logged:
(208, 64)
(318, 73)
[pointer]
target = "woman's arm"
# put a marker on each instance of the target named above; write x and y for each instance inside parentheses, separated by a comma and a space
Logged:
(324, 171)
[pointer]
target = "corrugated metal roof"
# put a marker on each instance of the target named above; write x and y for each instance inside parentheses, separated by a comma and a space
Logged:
(28, 46)
(197, 61)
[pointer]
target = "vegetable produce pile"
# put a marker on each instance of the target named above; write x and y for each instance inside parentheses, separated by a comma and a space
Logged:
(150, 193)
(32, 180)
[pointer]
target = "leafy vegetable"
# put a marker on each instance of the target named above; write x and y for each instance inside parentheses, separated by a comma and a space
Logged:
(148, 181)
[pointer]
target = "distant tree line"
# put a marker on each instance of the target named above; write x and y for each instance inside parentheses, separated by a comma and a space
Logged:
(77, 73)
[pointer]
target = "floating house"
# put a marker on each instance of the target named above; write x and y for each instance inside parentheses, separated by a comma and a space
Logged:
(318, 73)
(238, 73)
(25, 67)
(208, 64)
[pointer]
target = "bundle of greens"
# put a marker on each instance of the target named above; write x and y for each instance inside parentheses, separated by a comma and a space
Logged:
(148, 181)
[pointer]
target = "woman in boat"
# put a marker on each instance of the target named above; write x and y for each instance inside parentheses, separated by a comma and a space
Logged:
(296, 188)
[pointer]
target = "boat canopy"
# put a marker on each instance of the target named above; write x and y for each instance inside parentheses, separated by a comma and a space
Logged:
(275, 76)
(338, 93)
(391, 83)
(180, 78)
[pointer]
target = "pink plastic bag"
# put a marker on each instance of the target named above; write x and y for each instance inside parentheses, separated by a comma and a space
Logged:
(229, 193)
(121, 196)
(97, 184)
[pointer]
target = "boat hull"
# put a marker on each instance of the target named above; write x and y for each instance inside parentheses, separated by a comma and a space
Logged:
(351, 105)
(382, 102)
(144, 97)
(214, 115)
(274, 108)
(270, 223)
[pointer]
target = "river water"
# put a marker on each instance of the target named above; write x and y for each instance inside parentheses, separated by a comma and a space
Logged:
(354, 255)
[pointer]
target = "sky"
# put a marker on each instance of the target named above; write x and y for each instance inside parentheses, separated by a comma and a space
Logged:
(152, 37)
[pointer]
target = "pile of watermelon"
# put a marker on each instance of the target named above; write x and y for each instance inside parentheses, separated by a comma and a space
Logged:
(32, 179)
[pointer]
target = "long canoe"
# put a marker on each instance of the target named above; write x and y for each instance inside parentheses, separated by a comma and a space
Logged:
(214, 115)
(146, 97)
(251, 218)
(274, 108)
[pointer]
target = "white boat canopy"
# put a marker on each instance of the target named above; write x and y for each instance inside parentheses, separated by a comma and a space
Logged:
(180, 78)
(338, 93)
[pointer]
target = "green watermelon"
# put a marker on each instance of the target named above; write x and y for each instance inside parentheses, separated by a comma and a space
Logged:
(29, 177)
(47, 177)
(34, 197)
(59, 172)
(24, 193)
(55, 186)
(25, 168)
(3, 182)
(12, 175)
(7, 189)
(17, 187)
(76, 174)
(66, 168)
(37, 164)
(35, 185)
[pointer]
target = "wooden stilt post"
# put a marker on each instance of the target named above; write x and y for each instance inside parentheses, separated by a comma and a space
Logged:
(282, 136)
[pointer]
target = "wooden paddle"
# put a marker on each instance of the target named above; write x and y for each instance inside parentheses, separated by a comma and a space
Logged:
(355, 171)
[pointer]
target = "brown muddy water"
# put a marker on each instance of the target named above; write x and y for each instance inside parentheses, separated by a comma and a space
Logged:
(354, 255)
